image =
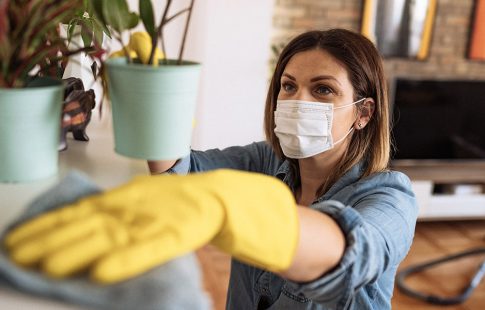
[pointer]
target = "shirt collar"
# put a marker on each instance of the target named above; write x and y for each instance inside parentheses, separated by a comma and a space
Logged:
(283, 170)
(286, 174)
(350, 177)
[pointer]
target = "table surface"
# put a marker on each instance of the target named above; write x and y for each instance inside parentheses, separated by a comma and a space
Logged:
(98, 160)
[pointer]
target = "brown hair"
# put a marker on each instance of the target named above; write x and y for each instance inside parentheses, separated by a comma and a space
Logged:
(364, 68)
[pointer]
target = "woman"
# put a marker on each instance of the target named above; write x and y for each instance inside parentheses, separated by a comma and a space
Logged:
(327, 129)
(327, 149)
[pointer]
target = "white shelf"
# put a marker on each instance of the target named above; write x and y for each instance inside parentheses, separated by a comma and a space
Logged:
(96, 159)
(447, 207)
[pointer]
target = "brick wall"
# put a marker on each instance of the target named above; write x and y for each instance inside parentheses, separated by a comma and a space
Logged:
(447, 54)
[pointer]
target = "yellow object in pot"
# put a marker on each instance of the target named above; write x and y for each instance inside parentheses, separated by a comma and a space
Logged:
(140, 46)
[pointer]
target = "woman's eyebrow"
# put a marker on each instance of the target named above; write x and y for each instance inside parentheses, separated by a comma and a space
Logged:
(324, 77)
(317, 78)
(289, 76)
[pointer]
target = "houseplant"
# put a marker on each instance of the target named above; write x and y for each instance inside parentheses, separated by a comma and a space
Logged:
(32, 55)
(153, 101)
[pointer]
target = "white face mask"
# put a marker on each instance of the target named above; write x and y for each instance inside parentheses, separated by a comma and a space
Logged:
(304, 128)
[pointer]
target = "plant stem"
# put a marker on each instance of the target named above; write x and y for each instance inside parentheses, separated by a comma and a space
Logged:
(175, 15)
(154, 47)
(179, 61)
(125, 51)
(155, 39)
(160, 35)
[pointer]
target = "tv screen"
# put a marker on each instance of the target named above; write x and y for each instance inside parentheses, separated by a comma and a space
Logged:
(438, 119)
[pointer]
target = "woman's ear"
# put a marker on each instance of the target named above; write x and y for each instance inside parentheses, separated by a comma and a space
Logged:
(364, 113)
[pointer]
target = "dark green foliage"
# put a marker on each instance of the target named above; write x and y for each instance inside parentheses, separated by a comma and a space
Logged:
(30, 38)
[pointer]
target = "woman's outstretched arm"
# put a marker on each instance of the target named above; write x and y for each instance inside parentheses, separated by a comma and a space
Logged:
(320, 247)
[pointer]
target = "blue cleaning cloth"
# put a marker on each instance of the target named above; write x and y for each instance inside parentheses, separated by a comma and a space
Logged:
(175, 285)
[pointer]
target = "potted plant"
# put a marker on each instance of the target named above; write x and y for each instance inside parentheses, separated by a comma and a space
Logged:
(152, 99)
(32, 55)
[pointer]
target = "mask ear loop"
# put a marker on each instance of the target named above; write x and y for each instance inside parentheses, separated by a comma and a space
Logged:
(351, 128)
(359, 124)
(350, 104)
(343, 138)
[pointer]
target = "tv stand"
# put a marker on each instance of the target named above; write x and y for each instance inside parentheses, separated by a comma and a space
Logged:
(446, 190)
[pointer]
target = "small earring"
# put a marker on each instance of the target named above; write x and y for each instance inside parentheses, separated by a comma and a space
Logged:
(360, 125)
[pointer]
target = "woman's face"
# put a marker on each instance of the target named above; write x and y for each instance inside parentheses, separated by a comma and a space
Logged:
(315, 75)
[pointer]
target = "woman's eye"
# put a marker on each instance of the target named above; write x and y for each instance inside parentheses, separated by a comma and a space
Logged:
(288, 87)
(323, 90)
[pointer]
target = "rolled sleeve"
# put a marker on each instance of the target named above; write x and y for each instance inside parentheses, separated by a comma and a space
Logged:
(255, 157)
(335, 287)
(181, 167)
(379, 230)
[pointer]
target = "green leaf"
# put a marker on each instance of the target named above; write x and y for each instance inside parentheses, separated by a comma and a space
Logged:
(94, 68)
(87, 32)
(36, 58)
(99, 24)
(79, 9)
(5, 56)
(34, 40)
(117, 15)
(98, 33)
(147, 16)
(52, 19)
(132, 20)
(70, 29)
(4, 20)
(87, 6)
(32, 24)
(97, 7)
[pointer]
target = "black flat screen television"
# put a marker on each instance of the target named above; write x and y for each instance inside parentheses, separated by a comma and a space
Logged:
(439, 120)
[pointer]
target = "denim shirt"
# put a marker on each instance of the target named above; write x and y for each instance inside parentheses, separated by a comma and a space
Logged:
(377, 215)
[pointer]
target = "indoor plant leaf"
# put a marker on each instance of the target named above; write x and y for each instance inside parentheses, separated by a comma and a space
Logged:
(98, 32)
(70, 28)
(31, 39)
(117, 14)
(147, 16)
(87, 29)
(98, 23)
(4, 20)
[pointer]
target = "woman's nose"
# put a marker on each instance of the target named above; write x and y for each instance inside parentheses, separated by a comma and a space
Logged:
(303, 95)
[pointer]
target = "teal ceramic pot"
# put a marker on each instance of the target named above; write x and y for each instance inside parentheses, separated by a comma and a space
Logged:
(30, 120)
(153, 108)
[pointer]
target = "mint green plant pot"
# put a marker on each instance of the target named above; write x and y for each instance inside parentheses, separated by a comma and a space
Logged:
(153, 108)
(30, 120)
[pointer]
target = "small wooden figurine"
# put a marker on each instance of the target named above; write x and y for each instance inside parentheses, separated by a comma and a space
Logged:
(76, 111)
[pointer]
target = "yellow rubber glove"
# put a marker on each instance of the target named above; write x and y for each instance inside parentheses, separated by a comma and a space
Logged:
(129, 230)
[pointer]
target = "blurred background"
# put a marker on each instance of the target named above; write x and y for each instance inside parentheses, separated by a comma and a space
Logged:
(234, 39)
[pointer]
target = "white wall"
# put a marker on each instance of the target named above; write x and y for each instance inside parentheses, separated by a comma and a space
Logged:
(232, 41)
